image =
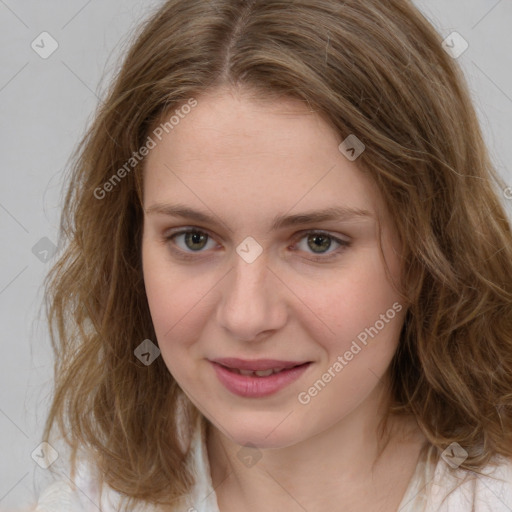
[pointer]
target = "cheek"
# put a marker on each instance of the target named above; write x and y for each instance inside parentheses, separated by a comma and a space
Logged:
(179, 303)
(169, 307)
(361, 318)
(169, 297)
(158, 291)
(352, 300)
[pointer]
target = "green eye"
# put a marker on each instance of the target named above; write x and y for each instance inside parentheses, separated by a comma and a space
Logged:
(319, 243)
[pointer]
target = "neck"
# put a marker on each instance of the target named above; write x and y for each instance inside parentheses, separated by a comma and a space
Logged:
(338, 463)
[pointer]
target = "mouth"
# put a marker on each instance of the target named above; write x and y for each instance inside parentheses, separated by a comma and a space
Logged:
(261, 373)
(259, 367)
(257, 378)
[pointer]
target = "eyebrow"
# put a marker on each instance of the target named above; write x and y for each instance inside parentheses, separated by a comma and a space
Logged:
(338, 213)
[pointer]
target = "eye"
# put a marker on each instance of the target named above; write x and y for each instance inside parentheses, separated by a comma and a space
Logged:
(319, 242)
(194, 240)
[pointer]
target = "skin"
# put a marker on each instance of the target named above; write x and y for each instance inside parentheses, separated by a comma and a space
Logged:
(245, 161)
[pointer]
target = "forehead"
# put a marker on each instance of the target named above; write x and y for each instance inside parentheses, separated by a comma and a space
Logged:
(255, 154)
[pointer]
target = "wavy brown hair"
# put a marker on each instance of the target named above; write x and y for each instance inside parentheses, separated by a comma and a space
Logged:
(371, 68)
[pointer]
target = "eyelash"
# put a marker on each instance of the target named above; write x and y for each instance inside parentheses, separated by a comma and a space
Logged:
(344, 244)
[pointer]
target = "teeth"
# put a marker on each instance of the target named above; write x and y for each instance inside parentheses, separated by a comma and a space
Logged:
(259, 373)
(264, 373)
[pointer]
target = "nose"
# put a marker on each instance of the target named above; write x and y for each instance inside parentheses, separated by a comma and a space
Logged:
(252, 302)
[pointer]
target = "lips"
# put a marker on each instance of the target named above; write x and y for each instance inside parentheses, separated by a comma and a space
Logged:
(253, 382)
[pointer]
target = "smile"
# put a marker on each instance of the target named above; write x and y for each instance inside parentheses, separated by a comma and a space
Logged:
(258, 383)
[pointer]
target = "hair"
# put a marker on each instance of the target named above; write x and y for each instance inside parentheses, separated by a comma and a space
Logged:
(370, 68)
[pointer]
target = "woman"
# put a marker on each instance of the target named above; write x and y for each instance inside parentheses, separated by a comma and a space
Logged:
(298, 189)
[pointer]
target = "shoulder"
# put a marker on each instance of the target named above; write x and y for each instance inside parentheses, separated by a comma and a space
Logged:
(80, 494)
(58, 497)
(490, 490)
(83, 494)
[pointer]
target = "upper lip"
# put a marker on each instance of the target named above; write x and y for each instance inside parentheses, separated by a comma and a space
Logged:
(256, 364)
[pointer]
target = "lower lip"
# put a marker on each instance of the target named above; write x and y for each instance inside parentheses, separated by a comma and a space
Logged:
(256, 387)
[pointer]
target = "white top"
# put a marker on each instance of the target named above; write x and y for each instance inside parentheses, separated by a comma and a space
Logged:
(428, 490)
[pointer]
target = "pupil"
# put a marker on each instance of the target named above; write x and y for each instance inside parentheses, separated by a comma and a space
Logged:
(326, 242)
(195, 238)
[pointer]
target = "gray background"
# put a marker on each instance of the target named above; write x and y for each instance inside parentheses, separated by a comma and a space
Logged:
(45, 106)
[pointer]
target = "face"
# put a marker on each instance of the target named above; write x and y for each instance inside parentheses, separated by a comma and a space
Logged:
(241, 260)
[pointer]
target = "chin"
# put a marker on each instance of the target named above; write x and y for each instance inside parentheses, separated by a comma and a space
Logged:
(269, 432)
